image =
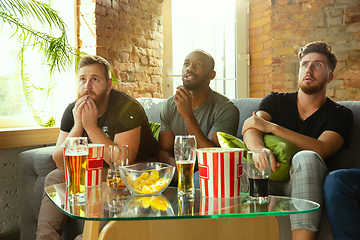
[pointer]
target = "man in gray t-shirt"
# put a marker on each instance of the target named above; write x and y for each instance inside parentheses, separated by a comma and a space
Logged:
(195, 109)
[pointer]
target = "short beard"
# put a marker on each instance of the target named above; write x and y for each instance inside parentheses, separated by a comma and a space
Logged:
(193, 86)
(310, 90)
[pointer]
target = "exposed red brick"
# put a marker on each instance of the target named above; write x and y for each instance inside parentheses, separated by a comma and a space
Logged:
(352, 19)
(100, 10)
(106, 3)
(284, 17)
(352, 84)
(134, 2)
(124, 56)
(352, 75)
(112, 54)
(352, 10)
(292, 8)
(103, 22)
(255, 16)
(111, 13)
(124, 76)
(283, 2)
(285, 26)
(144, 60)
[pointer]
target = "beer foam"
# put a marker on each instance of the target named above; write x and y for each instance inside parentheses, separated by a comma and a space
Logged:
(76, 154)
(185, 161)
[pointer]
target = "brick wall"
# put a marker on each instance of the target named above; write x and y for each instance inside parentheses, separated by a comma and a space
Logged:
(128, 33)
(278, 28)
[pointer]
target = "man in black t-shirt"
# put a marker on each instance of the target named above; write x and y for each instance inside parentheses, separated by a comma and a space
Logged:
(311, 121)
(105, 116)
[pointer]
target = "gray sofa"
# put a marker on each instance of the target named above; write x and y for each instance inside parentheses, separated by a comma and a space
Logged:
(37, 163)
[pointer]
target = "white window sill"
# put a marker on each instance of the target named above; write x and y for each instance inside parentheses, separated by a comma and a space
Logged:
(24, 137)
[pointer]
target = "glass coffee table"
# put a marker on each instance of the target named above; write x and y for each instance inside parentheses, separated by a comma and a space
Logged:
(104, 204)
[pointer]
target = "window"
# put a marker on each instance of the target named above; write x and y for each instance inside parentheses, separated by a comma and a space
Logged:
(218, 27)
(14, 111)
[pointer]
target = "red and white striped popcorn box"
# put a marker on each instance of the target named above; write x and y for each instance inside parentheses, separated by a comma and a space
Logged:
(93, 205)
(220, 171)
(95, 164)
(214, 206)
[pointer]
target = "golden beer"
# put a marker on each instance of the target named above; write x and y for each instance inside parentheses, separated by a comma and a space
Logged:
(185, 177)
(114, 180)
(76, 168)
(186, 205)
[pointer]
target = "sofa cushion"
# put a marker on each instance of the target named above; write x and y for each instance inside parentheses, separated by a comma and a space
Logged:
(282, 149)
(155, 128)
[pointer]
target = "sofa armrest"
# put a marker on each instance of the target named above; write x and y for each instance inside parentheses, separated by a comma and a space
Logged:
(35, 165)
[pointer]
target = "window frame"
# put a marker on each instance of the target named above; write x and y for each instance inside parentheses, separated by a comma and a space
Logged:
(242, 49)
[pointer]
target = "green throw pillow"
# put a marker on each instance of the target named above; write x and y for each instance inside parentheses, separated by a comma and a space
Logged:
(282, 149)
(155, 128)
(229, 141)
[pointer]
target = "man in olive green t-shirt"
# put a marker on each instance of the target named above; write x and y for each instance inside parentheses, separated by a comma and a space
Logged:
(195, 109)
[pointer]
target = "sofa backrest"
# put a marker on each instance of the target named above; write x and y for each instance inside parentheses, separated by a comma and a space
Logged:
(152, 107)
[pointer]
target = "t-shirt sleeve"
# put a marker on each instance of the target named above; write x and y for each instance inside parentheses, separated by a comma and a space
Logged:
(67, 120)
(165, 116)
(227, 120)
(268, 103)
(341, 122)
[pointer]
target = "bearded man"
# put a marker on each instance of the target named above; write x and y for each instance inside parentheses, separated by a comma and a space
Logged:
(318, 126)
(105, 116)
(196, 109)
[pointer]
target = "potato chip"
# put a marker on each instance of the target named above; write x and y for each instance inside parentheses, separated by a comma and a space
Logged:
(148, 183)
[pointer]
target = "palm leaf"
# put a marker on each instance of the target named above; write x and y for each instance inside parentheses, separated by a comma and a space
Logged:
(33, 9)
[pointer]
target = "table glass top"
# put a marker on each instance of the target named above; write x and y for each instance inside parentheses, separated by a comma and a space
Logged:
(107, 204)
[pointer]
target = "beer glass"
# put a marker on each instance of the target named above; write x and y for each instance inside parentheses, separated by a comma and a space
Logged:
(185, 157)
(119, 156)
(186, 205)
(258, 169)
(76, 153)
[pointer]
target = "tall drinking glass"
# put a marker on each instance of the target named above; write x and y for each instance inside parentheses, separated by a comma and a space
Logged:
(185, 157)
(119, 156)
(76, 153)
(258, 169)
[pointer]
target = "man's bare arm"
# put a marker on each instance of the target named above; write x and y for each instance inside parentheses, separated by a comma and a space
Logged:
(130, 138)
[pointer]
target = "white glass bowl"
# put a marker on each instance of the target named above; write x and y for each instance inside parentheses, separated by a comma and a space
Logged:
(149, 178)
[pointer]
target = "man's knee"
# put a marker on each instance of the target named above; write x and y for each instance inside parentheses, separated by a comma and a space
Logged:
(307, 158)
(55, 177)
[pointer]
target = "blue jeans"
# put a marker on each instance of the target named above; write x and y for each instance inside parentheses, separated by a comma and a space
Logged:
(342, 197)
